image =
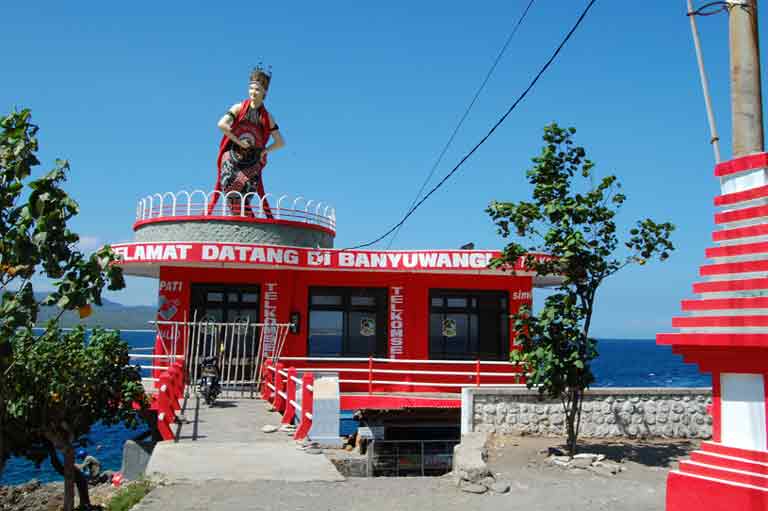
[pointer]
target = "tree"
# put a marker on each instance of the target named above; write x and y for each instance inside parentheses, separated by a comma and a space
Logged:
(67, 384)
(572, 219)
(35, 240)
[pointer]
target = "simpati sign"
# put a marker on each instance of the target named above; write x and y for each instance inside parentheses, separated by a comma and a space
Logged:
(304, 258)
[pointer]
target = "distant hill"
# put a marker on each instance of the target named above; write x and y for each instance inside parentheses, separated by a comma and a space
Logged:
(110, 315)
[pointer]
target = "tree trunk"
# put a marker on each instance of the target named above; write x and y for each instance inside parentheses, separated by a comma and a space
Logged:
(572, 418)
(2, 436)
(82, 489)
(80, 480)
(69, 478)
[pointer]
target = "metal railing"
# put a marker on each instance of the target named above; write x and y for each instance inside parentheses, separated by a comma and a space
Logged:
(196, 203)
(151, 364)
(239, 349)
(464, 373)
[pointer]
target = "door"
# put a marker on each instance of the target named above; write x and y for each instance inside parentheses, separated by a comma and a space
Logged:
(742, 402)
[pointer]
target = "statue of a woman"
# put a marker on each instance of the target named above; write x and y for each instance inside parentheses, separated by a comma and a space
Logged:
(247, 128)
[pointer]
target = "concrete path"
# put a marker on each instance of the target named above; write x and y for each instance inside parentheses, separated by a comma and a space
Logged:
(584, 493)
(227, 444)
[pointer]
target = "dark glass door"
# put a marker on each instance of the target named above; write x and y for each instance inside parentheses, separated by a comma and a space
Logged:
(225, 303)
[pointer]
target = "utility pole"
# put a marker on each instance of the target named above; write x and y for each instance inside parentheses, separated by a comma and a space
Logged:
(746, 96)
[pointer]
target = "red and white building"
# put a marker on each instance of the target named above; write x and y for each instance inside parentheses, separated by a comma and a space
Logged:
(401, 328)
(725, 332)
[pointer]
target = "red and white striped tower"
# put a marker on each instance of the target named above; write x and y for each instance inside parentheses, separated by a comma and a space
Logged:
(725, 330)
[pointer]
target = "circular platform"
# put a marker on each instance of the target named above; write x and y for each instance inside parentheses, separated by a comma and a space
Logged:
(200, 216)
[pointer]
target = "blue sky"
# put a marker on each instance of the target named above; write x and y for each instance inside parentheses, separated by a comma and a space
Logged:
(366, 96)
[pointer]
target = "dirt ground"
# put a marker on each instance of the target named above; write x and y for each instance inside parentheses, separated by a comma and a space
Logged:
(535, 485)
(640, 486)
(34, 496)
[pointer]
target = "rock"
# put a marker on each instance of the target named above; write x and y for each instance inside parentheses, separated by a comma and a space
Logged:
(473, 488)
(552, 451)
(580, 463)
(488, 481)
(268, 428)
(469, 457)
(500, 487)
(608, 466)
(560, 461)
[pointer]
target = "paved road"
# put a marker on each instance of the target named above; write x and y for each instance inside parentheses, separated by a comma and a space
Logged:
(228, 444)
(399, 494)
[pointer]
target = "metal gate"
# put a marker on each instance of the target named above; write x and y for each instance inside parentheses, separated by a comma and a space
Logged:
(239, 349)
(408, 458)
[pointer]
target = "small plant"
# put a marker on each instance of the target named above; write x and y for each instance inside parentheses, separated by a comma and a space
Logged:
(129, 496)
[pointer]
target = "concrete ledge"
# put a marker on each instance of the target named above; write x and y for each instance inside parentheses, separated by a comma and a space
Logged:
(598, 391)
(306, 235)
(237, 461)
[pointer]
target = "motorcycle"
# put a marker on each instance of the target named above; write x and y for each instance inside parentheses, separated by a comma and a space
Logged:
(208, 385)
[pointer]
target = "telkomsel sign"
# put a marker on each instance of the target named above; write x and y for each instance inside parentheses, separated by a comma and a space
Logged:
(396, 323)
(270, 317)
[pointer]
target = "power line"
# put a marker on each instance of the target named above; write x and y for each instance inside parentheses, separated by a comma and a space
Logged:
(490, 132)
(463, 117)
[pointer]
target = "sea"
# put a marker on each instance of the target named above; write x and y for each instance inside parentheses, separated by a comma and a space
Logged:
(622, 363)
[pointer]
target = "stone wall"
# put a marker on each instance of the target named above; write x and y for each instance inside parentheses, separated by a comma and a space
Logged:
(607, 412)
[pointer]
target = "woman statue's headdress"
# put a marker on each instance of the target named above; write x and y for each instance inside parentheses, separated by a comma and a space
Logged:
(262, 75)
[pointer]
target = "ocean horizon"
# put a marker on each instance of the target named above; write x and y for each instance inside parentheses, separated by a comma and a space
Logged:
(621, 363)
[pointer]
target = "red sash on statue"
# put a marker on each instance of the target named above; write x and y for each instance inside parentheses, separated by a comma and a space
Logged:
(224, 146)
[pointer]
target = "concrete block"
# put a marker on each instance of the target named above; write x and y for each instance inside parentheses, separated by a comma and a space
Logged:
(135, 458)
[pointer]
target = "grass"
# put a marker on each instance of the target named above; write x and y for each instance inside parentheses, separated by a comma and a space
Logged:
(129, 496)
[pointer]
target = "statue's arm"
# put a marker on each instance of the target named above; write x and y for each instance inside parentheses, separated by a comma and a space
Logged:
(225, 125)
(278, 141)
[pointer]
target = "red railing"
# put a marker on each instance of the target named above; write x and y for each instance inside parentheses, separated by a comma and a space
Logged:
(279, 387)
(412, 375)
(170, 390)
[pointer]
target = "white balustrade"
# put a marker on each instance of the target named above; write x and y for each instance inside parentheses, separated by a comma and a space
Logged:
(197, 204)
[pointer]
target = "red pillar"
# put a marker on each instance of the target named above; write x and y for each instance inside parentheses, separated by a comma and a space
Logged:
(290, 392)
(306, 406)
(279, 387)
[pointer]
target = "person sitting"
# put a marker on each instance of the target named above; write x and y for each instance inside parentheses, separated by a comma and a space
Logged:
(89, 466)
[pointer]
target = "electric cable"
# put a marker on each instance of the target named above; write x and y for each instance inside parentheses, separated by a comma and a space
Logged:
(490, 132)
(439, 159)
(709, 9)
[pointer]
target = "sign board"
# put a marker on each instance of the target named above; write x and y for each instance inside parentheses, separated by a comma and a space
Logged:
(305, 258)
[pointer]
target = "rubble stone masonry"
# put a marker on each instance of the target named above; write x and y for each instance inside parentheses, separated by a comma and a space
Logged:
(606, 412)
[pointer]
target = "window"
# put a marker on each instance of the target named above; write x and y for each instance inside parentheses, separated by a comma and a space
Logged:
(468, 325)
(347, 322)
(225, 303)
